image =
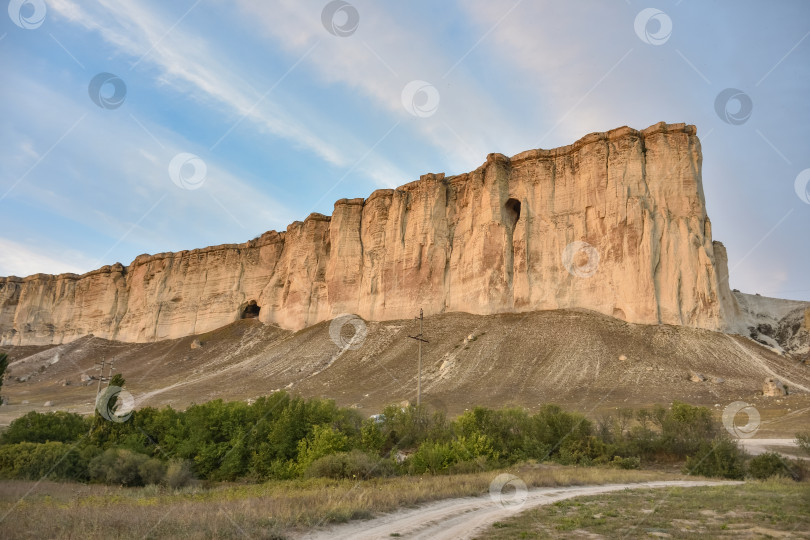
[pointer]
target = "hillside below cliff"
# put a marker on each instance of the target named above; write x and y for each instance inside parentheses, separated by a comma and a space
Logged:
(580, 359)
(615, 223)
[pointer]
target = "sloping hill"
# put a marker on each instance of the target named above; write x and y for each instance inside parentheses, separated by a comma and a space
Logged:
(577, 358)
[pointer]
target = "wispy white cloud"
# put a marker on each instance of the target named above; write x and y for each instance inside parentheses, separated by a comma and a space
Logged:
(107, 188)
(194, 65)
(24, 259)
(470, 121)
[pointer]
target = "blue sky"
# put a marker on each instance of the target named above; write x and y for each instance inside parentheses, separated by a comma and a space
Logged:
(287, 117)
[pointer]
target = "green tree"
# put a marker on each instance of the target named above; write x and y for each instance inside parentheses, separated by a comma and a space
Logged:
(721, 457)
(803, 441)
(37, 427)
(323, 441)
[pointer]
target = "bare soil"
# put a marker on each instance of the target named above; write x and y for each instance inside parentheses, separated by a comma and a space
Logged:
(579, 359)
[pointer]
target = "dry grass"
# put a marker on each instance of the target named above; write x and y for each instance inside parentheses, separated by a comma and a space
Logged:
(272, 510)
(776, 508)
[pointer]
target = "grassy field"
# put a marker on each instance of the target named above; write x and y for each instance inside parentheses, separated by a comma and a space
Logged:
(272, 510)
(776, 508)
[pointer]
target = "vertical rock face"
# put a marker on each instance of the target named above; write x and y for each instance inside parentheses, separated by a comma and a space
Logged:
(614, 223)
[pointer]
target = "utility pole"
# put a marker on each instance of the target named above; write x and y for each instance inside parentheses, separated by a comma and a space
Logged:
(420, 340)
(100, 376)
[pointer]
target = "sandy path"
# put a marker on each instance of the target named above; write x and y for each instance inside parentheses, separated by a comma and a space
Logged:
(466, 517)
(756, 447)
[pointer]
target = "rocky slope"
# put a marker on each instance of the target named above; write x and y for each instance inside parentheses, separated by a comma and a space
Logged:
(782, 325)
(583, 360)
(615, 223)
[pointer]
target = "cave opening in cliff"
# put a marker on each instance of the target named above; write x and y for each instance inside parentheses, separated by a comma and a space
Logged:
(512, 212)
(251, 310)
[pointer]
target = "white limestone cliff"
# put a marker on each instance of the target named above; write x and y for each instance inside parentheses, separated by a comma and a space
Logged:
(489, 241)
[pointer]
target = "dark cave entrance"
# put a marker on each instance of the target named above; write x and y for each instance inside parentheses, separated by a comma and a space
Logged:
(251, 311)
(512, 212)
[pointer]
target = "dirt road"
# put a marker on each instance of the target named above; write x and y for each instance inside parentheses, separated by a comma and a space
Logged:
(466, 517)
(786, 447)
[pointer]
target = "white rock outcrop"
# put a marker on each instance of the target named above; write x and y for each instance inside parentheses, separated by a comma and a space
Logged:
(614, 223)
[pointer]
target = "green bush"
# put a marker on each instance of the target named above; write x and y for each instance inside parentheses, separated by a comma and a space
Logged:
(179, 474)
(803, 441)
(43, 427)
(323, 441)
(721, 458)
(768, 464)
(506, 431)
(355, 464)
(152, 471)
(626, 463)
(34, 461)
(407, 427)
(432, 457)
(126, 468)
(685, 428)
(282, 437)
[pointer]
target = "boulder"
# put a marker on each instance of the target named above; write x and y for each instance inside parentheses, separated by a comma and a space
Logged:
(773, 387)
(696, 377)
(196, 344)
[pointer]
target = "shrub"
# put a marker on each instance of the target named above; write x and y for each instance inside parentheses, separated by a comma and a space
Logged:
(407, 427)
(803, 441)
(432, 457)
(685, 429)
(126, 468)
(152, 471)
(354, 464)
(323, 441)
(43, 427)
(581, 450)
(567, 436)
(722, 458)
(34, 461)
(626, 463)
(506, 431)
(179, 474)
(473, 447)
(372, 438)
(768, 464)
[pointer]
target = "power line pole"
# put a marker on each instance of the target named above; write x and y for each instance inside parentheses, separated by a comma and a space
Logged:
(100, 376)
(419, 340)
